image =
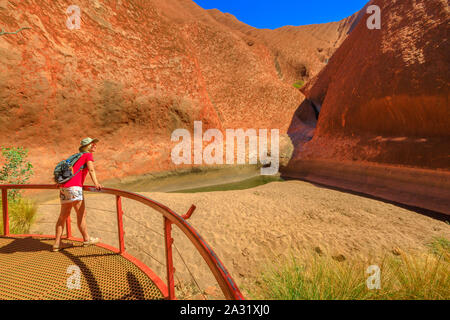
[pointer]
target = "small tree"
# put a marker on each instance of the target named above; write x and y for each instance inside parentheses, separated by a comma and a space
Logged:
(16, 169)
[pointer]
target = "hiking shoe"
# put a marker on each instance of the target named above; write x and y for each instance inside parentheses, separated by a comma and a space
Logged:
(91, 241)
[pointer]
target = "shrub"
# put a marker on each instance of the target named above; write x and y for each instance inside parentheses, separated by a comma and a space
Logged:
(16, 170)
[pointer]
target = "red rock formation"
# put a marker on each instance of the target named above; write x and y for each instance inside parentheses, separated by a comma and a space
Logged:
(137, 70)
(300, 52)
(383, 100)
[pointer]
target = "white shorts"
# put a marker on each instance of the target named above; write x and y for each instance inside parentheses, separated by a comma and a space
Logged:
(71, 194)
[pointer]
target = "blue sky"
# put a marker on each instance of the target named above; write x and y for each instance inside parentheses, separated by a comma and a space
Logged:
(273, 14)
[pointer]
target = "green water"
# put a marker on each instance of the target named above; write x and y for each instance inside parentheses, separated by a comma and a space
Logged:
(239, 185)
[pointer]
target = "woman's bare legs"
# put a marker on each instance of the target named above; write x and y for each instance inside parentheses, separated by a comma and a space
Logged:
(80, 208)
(64, 213)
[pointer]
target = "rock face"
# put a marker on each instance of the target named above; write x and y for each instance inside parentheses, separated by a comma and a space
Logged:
(382, 102)
(299, 52)
(137, 70)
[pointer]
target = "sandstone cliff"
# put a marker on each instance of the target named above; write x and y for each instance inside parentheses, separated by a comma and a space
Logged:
(381, 103)
(136, 70)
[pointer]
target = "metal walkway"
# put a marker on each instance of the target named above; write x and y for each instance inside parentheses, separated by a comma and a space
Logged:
(29, 270)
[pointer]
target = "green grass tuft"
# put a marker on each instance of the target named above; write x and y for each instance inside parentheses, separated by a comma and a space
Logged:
(418, 277)
(22, 213)
(440, 246)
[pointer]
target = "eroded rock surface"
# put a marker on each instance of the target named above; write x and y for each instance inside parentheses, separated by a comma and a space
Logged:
(137, 70)
(382, 100)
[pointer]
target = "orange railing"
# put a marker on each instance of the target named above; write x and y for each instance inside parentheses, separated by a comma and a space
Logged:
(226, 283)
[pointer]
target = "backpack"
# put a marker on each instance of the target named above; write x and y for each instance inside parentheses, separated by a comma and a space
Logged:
(64, 170)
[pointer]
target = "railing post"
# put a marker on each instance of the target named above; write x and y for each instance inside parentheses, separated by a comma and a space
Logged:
(69, 227)
(169, 258)
(120, 223)
(189, 212)
(5, 212)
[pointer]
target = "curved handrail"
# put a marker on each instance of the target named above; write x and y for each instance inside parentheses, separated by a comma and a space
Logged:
(226, 283)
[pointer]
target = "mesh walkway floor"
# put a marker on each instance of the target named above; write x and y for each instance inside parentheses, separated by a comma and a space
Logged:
(30, 270)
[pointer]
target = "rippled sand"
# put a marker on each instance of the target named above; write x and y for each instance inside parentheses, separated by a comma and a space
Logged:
(248, 228)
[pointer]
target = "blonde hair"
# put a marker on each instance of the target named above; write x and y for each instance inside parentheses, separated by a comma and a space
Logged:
(85, 148)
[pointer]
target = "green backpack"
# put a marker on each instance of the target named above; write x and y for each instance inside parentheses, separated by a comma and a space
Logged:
(64, 170)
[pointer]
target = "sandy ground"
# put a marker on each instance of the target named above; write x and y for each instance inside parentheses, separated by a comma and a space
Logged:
(249, 228)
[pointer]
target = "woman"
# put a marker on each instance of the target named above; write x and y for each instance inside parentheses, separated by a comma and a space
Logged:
(71, 194)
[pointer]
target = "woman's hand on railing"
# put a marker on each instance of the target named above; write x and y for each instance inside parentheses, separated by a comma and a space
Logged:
(98, 186)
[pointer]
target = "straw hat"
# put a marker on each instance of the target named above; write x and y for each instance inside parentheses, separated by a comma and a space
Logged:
(87, 141)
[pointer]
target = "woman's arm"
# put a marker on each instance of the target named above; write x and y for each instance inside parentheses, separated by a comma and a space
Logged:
(90, 165)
